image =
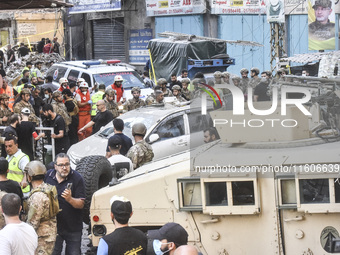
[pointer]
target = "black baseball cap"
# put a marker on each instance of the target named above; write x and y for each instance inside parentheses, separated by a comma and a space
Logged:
(120, 207)
(114, 142)
(172, 232)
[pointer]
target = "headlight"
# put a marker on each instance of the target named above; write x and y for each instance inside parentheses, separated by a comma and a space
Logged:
(99, 230)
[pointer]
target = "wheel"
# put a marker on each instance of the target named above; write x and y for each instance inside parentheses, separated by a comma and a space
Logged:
(97, 173)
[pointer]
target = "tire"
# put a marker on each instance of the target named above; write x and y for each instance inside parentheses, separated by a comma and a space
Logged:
(97, 173)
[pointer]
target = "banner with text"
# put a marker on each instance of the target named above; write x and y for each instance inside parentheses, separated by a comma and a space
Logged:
(83, 6)
(174, 7)
(139, 39)
(238, 6)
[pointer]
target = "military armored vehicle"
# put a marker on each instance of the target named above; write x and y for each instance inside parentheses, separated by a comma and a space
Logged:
(268, 186)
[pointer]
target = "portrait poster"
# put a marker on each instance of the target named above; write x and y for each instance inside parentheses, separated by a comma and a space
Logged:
(321, 26)
(275, 11)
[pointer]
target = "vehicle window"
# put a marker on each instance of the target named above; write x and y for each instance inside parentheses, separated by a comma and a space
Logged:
(243, 193)
(288, 191)
(73, 76)
(197, 122)
(191, 194)
(170, 128)
(87, 78)
(56, 72)
(337, 190)
(216, 193)
(314, 191)
(131, 79)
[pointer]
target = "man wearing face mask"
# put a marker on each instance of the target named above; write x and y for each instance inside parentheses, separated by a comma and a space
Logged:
(83, 98)
(63, 84)
(260, 92)
(124, 239)
(168, 238)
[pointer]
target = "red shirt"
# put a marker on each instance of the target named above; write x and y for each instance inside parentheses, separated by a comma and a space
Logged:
(84, 110)
(119, 91)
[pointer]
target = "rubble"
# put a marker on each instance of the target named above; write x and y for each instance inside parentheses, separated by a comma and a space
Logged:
(14, 70)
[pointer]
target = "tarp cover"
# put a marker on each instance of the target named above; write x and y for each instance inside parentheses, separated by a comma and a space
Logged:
(170, 56)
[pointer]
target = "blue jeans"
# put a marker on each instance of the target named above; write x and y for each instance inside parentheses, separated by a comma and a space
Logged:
(73, 243)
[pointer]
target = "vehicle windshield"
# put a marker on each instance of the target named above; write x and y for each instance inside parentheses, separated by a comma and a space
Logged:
(131, 79)
(129, 121)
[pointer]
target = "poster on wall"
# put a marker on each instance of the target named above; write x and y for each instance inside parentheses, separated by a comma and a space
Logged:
(238, 7)
(296, 7)
(174, 7)
(139, 39)
(275, 11)
(321, 26)
(84, 6)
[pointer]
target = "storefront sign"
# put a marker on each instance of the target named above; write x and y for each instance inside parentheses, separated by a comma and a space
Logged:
(174, 7)
(83, 6)
(139, 39)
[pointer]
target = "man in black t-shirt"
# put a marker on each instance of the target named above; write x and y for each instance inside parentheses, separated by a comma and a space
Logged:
(118, 127)
(124, 239)
(10, 54)
(23, 50)
(60, 136)
(10, 131)
(102, 117)
(260, 91)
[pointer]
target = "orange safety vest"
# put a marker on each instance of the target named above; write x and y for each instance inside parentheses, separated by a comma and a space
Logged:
(119, 91)
(10, 93)
(84, 110)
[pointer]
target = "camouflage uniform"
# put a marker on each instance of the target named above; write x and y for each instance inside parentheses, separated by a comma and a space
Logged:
(244, 84)
(140, 153)
(180, 98)
(60, 109)
(150, 99)
(167, 93)
(187, 94)
(22, 104)
(254, 81)
(5, 112)
(39, 218)
(132, 104)
(112, 107)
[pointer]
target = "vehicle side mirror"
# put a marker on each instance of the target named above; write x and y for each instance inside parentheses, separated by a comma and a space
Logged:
(153, 138)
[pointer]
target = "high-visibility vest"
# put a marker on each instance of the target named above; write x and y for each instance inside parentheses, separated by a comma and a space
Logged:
(15, 173)
(84, 110)
(95, 98)
(10, 93)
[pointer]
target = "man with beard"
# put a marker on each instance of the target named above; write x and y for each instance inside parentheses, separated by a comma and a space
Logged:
(244, 79)
(38, 101)
(72, 109)
(61, 139)
(135, 102)
(35, 72)
(5, 112)
(25, 95)
(260, 92)
(63, 84)
(117, 86)
(83, 98)
(60, 108)
(162, 82)
(255, 79)
(110, 102)
(176, 91)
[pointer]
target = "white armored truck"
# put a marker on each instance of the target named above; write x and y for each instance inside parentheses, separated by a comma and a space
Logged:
(267, 186)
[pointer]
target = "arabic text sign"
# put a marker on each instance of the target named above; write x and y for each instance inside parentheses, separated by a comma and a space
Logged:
(238, 6)
(174, 7)
(139, 39)
(83, 6)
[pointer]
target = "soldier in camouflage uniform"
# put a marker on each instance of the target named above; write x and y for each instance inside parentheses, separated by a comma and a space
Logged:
(217, 77)
(151, 99)
(135, 102)
(255, 79)
(186, 93)
(5, 112)
(60, 108)
(176, 91)
(39, 209)
(141, 152)
(244, 79)
(110, 103)
(24, 103)
(162, 83)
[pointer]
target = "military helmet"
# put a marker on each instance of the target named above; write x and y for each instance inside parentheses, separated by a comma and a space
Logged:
(255, 70)
(244, 70)
(56, 94)
(135, 89)
(176, 87)
(35, 168)
(63, 80)
(26, 111)
(225, 74)
(161, 81)
(185, 80)
(236, 78)
(4, 96)
(80, 80)
(217, 74)
(139, 129)
(25, 91)
(110, 91)
(83, 84)
(118, 78)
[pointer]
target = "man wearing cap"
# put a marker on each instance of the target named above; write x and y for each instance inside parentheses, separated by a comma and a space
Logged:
(26, 131)
(102, 118)
(83, 98)
(12, 93)
(5, 112)
(168, 238)
(321, 32)
(117, 86)
(63, 84)
(135, 102)
(24, 103)
(123, 164)
(152, 98)
(124, 239)
(110, 103)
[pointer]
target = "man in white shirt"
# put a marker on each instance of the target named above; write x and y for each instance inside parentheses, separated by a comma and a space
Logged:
(17, 237)
(122, 164)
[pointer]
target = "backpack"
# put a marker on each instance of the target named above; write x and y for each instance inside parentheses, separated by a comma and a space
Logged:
(75, 109)
(52, 195)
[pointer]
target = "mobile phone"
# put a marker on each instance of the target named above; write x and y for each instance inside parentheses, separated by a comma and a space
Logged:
(69, 186)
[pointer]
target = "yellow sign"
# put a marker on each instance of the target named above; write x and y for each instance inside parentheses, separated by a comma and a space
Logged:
(163, 4)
